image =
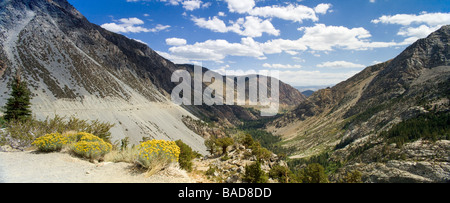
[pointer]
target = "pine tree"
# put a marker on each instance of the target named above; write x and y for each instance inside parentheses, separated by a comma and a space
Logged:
(18, 105)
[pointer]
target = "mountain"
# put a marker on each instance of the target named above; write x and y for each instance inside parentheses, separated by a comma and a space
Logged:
(74, 67)
(356, 121)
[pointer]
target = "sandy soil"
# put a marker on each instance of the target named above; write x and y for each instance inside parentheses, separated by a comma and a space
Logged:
(33, 167)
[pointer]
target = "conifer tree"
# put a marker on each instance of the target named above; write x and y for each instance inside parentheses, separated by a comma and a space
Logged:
(18, 105)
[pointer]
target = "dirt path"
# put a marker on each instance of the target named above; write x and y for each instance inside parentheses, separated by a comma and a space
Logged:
(31, 167)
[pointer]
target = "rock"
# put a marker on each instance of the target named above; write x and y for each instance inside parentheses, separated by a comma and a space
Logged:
(233, 179)
(7, 148)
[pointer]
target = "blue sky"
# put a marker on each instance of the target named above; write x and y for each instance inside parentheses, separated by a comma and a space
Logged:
(310, 42)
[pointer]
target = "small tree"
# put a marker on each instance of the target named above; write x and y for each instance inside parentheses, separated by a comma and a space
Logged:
(254, 174)
(186, 156)
(18, 105)
(211, 145)
(313, 173)
(224, 143)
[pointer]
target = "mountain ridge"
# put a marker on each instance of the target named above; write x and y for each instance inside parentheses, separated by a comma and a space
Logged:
(347, 122)
(76, 68)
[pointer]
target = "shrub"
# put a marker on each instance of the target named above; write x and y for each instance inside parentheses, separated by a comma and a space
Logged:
(157, 154)
(186, 155)
(254, 174)
(127, 155)
(20, 134)
(282, 174)
(91, 150)
(50, 142)
(224, 143)
(90, 146)
(313, 173)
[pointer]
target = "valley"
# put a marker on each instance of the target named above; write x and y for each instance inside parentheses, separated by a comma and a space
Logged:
(75, 68)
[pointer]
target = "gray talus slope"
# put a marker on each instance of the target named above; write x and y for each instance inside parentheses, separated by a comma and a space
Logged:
(74, 67)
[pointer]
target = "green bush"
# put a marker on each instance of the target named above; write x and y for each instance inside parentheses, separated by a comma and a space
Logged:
(224, 143)
(313, 173)
(2, 122)
(254, 174)
(186, 155)
(282, 174)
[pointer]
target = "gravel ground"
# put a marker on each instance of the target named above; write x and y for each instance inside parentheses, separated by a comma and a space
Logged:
(32, 167)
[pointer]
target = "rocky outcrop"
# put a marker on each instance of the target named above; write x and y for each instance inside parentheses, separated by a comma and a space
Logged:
(230, 168)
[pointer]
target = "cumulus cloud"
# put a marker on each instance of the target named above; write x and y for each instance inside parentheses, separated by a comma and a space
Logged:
(175, 41)
(189, 5)
(296, 13)
(240, 6)
(317, 38)
(131, 25)
(291, 12)
(217, 50)
(414, 26)
(249, 26)
(325, 38)
(322, 8)
(192, 5)
(431, 19)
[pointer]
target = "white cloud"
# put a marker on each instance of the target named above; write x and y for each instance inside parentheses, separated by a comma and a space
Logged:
(281, 66)
(415, 27)
(240, 6)
(316, 38)
(325, 38)
(322, 8)
(214, 24)
(175, 41)
(372, 1)
(291, 12)
(127, 25)
(250, 26)
(191, 5)
(175, 59)
(296, 13)
(431, 19)
(340, 64)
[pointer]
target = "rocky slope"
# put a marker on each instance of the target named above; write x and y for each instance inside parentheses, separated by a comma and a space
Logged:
(74, 67)
(347, 120)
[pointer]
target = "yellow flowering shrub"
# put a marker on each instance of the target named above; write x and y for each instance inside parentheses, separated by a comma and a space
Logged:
(91, 146)
(50, 142)
(157, 151)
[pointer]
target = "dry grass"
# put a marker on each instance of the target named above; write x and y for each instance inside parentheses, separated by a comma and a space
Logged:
(127, 155)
